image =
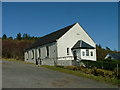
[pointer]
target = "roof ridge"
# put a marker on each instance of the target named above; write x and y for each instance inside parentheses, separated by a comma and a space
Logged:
(52, 37)
(59, 29)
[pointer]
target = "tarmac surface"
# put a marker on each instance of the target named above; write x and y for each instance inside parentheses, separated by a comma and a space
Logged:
(21, 75)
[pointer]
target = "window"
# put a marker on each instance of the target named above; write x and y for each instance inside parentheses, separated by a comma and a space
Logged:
(39, 52)
(67, 51)
(91, 53)
(32, 54)
(87, 52)
(83, 53)
(47, 50)
(27, 55)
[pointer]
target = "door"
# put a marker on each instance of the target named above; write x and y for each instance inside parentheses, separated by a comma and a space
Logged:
(75, 55)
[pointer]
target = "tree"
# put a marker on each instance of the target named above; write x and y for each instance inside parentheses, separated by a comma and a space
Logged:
(107, 48)
(24, 36)
(19, 36)
(11, 38)
(99, 46)
(4, 36)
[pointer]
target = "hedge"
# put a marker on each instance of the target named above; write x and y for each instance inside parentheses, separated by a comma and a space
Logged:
(109, 65)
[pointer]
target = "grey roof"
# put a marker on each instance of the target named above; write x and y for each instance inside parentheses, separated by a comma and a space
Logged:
(52, 37)
(82, 45)
(115, 55)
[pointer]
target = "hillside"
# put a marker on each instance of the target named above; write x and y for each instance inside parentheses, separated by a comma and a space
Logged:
(14, 48)
(101, 52)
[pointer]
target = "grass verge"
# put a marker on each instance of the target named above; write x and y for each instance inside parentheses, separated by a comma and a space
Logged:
(113, 81)
(15, 60)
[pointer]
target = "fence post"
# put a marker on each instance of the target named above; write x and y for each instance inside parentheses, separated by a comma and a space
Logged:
(117, 69)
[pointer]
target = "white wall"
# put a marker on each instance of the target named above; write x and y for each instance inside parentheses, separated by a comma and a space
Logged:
(52, 52)
(70, 38)
(30, 54)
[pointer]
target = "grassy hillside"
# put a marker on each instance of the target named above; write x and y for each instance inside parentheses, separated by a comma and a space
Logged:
(14, 48)
(101, 52)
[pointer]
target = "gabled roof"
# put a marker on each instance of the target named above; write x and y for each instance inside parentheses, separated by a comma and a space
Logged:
(82, 45)
(115, 55)
(52, 37)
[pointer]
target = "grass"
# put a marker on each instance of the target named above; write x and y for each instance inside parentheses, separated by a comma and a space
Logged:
(15, 60)
(113, 81)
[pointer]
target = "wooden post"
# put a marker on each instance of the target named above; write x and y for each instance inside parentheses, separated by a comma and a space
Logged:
(117, 69)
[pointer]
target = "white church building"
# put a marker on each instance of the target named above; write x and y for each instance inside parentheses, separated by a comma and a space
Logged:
(67, 46)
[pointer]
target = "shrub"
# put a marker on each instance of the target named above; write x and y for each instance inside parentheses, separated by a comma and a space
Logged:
(87, 71)
(117, 73)
(80, 68)
(71, 67)
(103, 73)
(100, 72)
(94, 72)
(108, 65)
(59, 66)
(109, 74)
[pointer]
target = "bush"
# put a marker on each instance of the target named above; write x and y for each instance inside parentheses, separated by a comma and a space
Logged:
(103, 73)
(59, 66)
(117, 73)
(108, 74)
(95, 71)
(71, 67)
(108, 65)
(87, 71)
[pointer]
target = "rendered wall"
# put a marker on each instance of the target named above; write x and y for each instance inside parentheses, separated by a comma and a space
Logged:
(69, 39)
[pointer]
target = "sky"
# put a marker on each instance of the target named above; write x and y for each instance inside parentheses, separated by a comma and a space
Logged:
(99, 20)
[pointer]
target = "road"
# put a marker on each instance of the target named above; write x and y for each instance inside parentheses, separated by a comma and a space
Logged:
(21, 75)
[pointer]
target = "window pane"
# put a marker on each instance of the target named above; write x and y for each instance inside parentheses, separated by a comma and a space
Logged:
(67, 51)
(87, 52)
(32, 54)
(83, 53)
(47, 50)
(91, 53)
(39, 52)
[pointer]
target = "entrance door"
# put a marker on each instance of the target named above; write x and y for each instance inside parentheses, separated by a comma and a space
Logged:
(75, 55)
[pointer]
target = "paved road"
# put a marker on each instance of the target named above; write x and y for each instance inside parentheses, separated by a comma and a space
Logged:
(0, 74)
(19, 75)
